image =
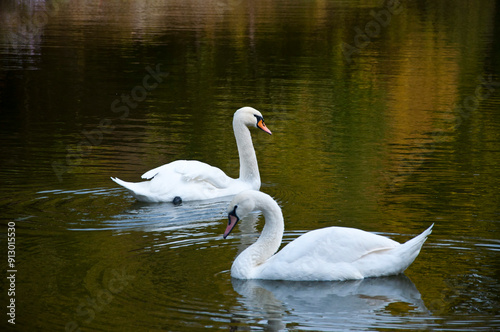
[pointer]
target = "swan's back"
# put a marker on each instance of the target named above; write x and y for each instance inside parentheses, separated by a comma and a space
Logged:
(191, 180)
(335, 244)
(340, 253)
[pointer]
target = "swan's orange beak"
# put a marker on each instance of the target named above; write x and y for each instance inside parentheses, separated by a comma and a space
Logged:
(232, 220)
(262, 126)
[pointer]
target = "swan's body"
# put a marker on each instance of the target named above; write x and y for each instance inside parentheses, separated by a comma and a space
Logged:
(192, 180)
(332, 253)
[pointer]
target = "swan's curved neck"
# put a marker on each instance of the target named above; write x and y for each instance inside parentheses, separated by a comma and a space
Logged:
(272, 233)
(266, 245)
(249, 169)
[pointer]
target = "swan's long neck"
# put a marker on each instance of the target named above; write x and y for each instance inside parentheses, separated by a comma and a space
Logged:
(266, 245)
(249, 169)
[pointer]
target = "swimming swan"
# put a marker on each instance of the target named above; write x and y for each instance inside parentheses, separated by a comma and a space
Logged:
(192, 180)
(332, 253)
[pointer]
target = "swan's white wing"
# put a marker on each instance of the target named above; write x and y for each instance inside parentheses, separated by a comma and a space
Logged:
(190, 180)
(191, 171)
(335, 244)
(324, 254)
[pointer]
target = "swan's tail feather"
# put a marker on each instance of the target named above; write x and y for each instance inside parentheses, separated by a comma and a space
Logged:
(137, 189)
(409, 250)
(419, 239)
(128, 185)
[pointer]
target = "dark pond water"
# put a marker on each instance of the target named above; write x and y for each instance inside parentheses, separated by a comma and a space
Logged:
(385, 117)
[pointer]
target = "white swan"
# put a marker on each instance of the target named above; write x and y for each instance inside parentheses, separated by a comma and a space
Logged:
(191, 180)
(332, 253)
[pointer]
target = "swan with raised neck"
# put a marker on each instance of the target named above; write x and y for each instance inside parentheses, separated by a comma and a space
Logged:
(192, 180)
(242, 119)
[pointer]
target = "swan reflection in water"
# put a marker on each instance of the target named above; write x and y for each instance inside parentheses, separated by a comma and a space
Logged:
(166, 216)
(325, 305)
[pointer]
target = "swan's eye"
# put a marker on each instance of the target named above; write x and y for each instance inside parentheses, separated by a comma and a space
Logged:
(260, 121)
(233, 211)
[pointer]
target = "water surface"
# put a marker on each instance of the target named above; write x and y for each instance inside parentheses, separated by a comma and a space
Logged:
(384, 118)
